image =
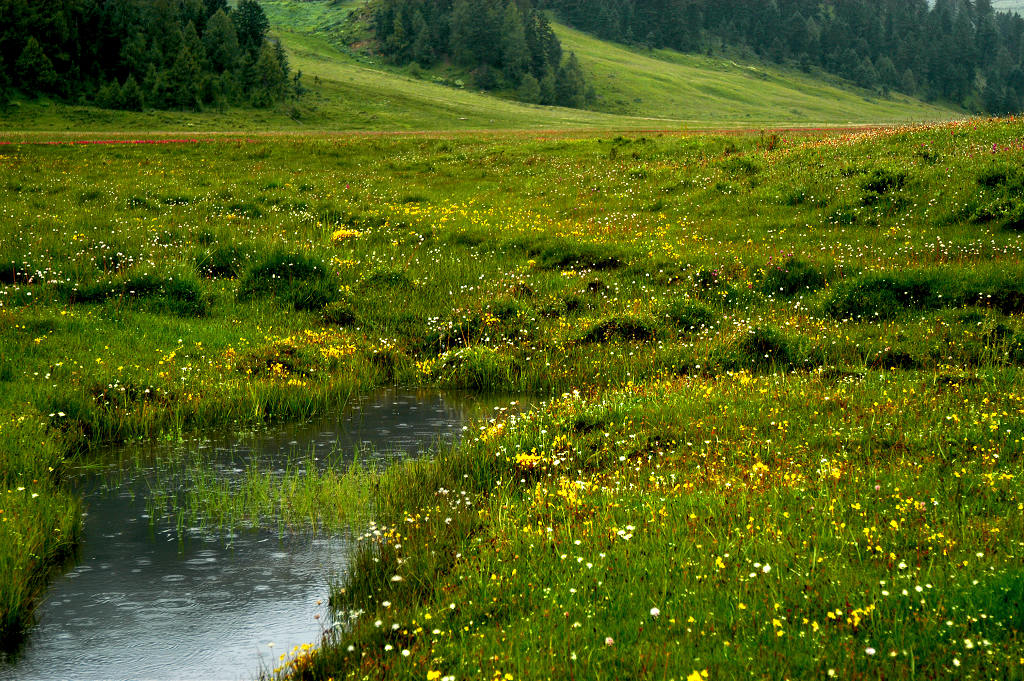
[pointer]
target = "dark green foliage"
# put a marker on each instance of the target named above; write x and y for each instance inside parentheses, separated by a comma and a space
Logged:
(767, 348)
(502, 44)
(35, 70)
(251, 24)
(339, 313)
(894, 358)
(125, 54)
(179, 293)
(226, 260)
(300, 279)
(563, 254)
(888, 295)
(884, 180)
(957, 51)
(622, 327)
(691, 317)
(792, 276)
(1003, 197)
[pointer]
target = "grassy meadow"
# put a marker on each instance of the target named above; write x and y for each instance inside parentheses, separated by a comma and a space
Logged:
(779, 413)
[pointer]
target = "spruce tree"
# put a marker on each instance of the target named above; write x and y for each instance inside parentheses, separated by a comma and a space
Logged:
(109, 96)
(252, 25)
(35, 70)
(220, 40)
(269, 79)
(529, 89)
(132, 98)
(569, 84)
(183, 80)
(515, 53)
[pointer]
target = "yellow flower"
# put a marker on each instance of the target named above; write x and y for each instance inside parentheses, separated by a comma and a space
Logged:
(432, 675)
(698, 675)
(342, 234)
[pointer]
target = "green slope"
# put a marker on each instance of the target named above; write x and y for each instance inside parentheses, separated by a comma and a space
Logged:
(704, 90)
(636, 90)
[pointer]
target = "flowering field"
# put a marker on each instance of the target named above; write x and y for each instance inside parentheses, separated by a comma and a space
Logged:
(778, 429)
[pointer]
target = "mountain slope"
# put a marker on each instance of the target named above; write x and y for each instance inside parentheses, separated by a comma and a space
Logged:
(636, 90)
(714, 90)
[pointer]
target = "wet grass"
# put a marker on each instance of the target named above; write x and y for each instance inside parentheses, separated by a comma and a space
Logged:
(737, 354)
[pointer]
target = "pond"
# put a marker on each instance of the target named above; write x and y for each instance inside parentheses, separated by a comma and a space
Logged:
(149, 599)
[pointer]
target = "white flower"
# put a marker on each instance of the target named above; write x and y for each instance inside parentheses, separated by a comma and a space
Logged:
(655, 612)
(609, 641)
(869, 651)
(766, 569)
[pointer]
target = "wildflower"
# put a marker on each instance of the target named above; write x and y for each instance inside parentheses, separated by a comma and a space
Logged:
(609, 641)
(697, 675)
(870, 651)
(655, 612)
(432, 675)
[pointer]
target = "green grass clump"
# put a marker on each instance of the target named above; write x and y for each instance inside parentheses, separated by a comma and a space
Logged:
(622, 327)
(792, 276)
(301, 280)
(177, 291)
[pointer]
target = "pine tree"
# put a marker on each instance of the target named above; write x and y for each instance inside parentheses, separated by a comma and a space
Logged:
(183, 80)
(109, 96)
(422, 44)
(529, 89)
(269, 79)
(221, 42)
(515, 53)
(35, 70)
(569, 84)
(5, 84)
(251, 24)
(131, 95)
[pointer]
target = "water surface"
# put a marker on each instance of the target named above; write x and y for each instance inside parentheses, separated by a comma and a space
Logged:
(147, 601)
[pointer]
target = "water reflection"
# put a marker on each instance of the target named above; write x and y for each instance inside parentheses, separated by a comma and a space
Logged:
(148, 602)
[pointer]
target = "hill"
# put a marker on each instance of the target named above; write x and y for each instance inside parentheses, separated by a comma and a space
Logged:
(658, 89)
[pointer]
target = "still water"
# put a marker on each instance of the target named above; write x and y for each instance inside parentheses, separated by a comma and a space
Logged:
(145, 601)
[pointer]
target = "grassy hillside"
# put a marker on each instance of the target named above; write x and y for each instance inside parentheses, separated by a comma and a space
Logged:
(662, 89)
(704, 90)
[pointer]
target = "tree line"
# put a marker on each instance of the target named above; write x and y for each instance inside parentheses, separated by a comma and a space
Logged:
(506, 45)
(960, 51)
(131, 54)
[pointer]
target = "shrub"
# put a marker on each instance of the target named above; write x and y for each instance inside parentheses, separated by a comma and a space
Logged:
(884, 181)
(299, 279)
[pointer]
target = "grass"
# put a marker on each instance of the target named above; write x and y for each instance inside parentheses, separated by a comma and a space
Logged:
(753, 352)
(716, 91)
